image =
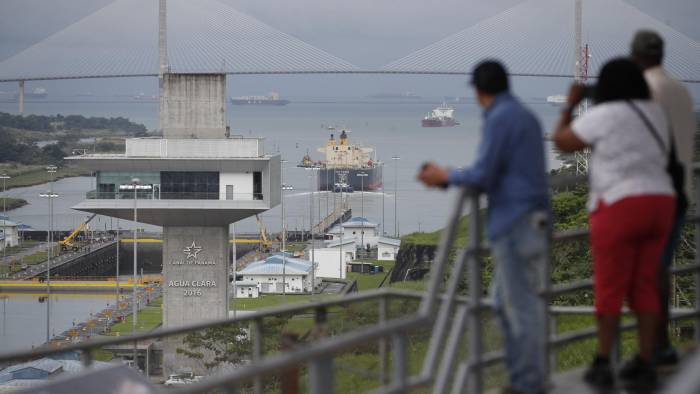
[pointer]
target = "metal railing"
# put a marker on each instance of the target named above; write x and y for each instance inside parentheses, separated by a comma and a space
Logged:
(448, 315)
(161, 195)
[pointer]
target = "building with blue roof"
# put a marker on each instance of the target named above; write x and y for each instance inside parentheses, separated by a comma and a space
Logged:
(272, 274)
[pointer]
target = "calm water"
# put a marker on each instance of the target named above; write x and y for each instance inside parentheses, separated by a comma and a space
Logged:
(23, 317)
(292, 131)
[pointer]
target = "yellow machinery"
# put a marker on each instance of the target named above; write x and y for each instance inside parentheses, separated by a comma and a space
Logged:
(264, 241)
(69, 243)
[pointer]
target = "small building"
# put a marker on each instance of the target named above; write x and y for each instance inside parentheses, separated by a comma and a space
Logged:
(33, 370)
(354, 229)
(9, 233)
(270, 274)
(387, 248)
(247, 289)
(328, 262)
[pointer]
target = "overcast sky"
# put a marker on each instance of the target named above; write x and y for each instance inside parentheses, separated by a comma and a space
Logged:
(368, 33)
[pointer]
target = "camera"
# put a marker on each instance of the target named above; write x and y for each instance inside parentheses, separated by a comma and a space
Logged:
(589, 91)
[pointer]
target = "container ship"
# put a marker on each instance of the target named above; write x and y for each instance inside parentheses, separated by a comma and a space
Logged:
(271, 99)
(343, 165)
(441, 116)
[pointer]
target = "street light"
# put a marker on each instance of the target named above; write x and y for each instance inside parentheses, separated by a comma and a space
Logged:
(311, 229)
(4, 178)
(284, 233)
(135, 186)
(51, 169)
(362, 176)
(396, 194)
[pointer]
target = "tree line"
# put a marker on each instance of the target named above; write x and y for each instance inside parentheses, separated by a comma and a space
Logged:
(71, 122)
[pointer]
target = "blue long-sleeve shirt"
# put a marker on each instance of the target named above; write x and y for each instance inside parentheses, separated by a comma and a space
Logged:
(510, 166)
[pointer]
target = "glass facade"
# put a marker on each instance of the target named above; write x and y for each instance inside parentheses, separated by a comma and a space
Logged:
(109, 182)
(176, 185)
(170, 185)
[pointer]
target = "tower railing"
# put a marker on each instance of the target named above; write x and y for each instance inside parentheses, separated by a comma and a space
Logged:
(455, 359)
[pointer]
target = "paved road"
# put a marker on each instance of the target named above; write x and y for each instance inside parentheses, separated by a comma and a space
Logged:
(56, 261)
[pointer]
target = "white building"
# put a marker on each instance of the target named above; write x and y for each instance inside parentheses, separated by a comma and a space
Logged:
(352, 230)
(270, 274)
(387, 248)
(9, 235)
(328, 262)
(247, 289)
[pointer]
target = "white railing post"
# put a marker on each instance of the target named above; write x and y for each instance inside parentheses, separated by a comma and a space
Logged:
(383, 353)
(257, 353)
(400, 359)
(474, 381)
(321, 368)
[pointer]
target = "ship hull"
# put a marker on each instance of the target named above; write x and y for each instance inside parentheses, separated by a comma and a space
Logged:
(439, 123)
(328, 177)
(259, 102)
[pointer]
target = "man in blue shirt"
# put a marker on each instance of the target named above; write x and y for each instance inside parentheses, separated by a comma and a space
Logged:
(510, 169)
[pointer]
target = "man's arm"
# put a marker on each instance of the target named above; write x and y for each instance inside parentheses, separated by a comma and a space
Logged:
(484, 173)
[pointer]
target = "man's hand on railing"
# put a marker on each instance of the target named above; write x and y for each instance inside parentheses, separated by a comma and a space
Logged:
(433, 175)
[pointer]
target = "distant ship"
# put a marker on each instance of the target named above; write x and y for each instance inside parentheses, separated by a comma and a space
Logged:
(344, 166)
(145, 97)
(556, 99)
(271, 99)
(441, 116)
(407, 95)
(36, 93)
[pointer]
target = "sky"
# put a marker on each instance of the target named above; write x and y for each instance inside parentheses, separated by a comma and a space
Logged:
(368, 33)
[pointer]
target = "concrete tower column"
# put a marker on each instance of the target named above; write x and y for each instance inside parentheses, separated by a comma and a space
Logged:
(21, 97)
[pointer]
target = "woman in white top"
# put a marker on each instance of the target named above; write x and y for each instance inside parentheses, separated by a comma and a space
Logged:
(631, 206)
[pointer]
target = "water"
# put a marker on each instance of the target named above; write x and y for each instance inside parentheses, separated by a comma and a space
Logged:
(298, 128)
(23, 317)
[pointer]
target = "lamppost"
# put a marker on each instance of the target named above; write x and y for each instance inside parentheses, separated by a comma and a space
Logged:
(362, 176)
(117, 279)
(396, 194)
(4, 178)
(284, 233)
(311, 229)
(135, 186)
(51, 169)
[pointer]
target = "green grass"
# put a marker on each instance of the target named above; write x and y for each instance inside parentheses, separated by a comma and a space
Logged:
(39, 257)
(272, 300)
(25, 245)
(32, 259)
(12, 203)
(433, 238)
(149, 318)
(371, 281)
(29, 175)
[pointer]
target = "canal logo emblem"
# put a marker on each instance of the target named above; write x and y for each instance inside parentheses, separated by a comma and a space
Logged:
(192, 250)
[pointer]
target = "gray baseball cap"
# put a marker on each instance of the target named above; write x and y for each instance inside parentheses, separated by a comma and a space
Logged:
(647, 43)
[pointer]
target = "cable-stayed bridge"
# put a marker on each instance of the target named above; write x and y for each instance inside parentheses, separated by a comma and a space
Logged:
(533, 38)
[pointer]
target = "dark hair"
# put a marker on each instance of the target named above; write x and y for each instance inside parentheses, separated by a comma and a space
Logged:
(490, 77)
(621, 79)
(647, 48)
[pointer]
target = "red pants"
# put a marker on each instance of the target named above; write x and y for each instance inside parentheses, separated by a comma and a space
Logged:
(628, 239)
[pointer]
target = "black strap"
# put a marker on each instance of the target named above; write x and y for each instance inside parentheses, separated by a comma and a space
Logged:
(651, 127)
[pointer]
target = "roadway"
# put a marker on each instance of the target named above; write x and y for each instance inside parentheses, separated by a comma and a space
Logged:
(57, 261)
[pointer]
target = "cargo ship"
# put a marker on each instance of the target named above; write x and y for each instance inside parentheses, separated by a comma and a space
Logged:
(441, 116)
(271, 99)
(344, 166)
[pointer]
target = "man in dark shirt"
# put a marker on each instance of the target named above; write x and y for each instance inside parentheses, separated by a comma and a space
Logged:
(510, 169)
